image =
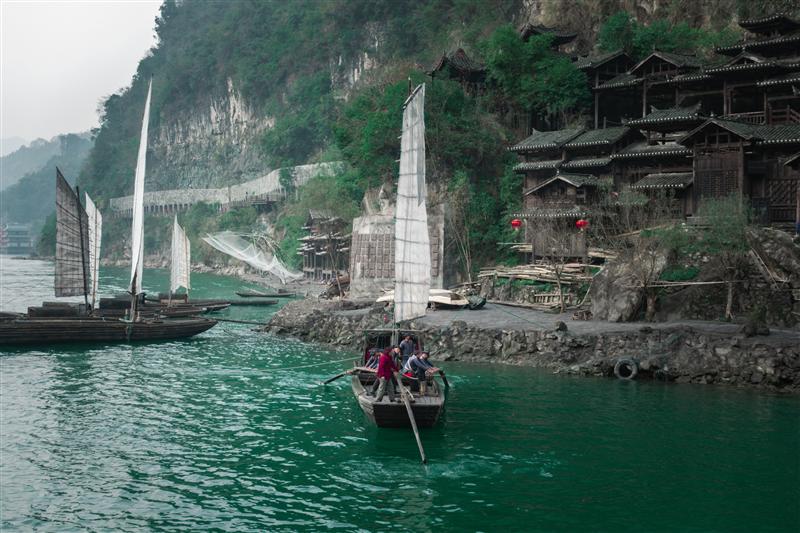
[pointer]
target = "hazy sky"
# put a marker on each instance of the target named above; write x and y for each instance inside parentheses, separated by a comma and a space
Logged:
(60, 58)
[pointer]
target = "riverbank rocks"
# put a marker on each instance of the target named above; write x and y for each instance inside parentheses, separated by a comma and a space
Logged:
(616, 292)
(687, 354)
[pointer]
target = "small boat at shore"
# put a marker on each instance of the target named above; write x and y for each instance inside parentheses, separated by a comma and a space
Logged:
(277, 293)
(437, 299)
(254, 302)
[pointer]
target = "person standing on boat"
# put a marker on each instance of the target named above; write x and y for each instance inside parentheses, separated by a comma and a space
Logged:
(407, 349)
(387, 370)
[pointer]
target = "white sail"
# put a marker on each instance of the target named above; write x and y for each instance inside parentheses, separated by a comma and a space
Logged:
(235, 246)
(412, 251)
(72, 242)
(95, 238)
(181, 253)
(137, 230)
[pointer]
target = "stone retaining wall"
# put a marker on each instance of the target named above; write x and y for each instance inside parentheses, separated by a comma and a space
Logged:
(681, 354)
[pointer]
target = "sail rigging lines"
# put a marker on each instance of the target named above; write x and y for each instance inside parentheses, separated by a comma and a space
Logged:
(72, 242)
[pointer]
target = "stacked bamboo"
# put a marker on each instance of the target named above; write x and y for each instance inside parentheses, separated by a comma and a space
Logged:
(570, 273)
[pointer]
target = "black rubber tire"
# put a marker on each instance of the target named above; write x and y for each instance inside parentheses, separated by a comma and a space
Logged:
(630, 364)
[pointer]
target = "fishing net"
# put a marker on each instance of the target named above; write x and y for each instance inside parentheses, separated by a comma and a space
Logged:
(245, 249)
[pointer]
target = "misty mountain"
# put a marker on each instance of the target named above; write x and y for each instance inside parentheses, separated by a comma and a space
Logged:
(32, 198)
(27, 159)
(10, 144)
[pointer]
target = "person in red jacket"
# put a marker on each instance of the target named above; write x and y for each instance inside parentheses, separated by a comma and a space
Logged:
(387, 371)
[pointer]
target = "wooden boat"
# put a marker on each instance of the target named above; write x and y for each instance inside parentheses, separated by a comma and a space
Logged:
(412, 281)
(254, 302)
(252, 293)
(39, 331)
(427, 408)
(437, 299)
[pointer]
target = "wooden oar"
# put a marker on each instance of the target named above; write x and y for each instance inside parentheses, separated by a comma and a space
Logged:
(404, 394)
(444, 378)
(337, 376)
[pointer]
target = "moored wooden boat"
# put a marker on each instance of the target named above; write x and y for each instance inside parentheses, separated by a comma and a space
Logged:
(254, 302)
(252, 293)
(36, 331)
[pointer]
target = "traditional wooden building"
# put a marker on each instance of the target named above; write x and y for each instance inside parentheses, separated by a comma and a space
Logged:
(675, 126)
(471, 74)
(560, 37)
(325, 250)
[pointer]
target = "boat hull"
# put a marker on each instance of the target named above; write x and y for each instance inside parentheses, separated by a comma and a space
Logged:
(32, 331)
(427, 409)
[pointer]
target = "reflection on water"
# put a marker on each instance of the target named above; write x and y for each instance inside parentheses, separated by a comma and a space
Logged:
(222, 431)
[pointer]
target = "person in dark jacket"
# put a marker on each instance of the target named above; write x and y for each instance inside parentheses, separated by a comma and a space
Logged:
(387, 372)
(407, 348)
(422, 369)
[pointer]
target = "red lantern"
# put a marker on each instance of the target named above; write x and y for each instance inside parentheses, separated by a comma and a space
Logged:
(516, 223)
(582, 224)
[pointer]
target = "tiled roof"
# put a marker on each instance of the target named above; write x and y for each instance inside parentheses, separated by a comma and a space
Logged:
(642, 149)
(780, 134)
(672, 114)
(598, 137)
(665, 180)
(755, 44)
(788, 79)
(775, 134)
(587, 162)
(769, 22)
(537, 165)
(679, 60)
(546, 140)
(576, 180)
(744, 61)
(460, 60)
(560, 36)
(625, 79)
(589, 62)
(554, 212)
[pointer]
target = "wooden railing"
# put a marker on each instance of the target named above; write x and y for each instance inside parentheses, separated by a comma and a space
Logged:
(754, 117)
(784, 115)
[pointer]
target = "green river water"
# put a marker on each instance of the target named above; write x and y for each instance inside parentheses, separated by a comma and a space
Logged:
(221, 432)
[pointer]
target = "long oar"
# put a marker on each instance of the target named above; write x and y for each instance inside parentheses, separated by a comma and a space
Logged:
(404, 394)
(337, 376)
(444, 378)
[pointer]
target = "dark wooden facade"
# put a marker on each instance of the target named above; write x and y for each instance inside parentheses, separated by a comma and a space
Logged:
(675, 126)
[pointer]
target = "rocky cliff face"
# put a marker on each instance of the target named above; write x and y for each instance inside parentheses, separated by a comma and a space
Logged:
(211, 145)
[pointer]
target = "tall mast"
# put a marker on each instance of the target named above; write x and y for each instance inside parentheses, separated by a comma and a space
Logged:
(137, 229)
(79, 209)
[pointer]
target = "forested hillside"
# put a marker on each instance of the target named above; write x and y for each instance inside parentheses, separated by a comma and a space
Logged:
(32, 198)
(240, 88)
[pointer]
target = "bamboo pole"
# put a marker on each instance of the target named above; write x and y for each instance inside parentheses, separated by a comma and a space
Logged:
(404, 394)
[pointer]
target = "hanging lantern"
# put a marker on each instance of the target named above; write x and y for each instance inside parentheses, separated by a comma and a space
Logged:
(582, 224)
(516, 223)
